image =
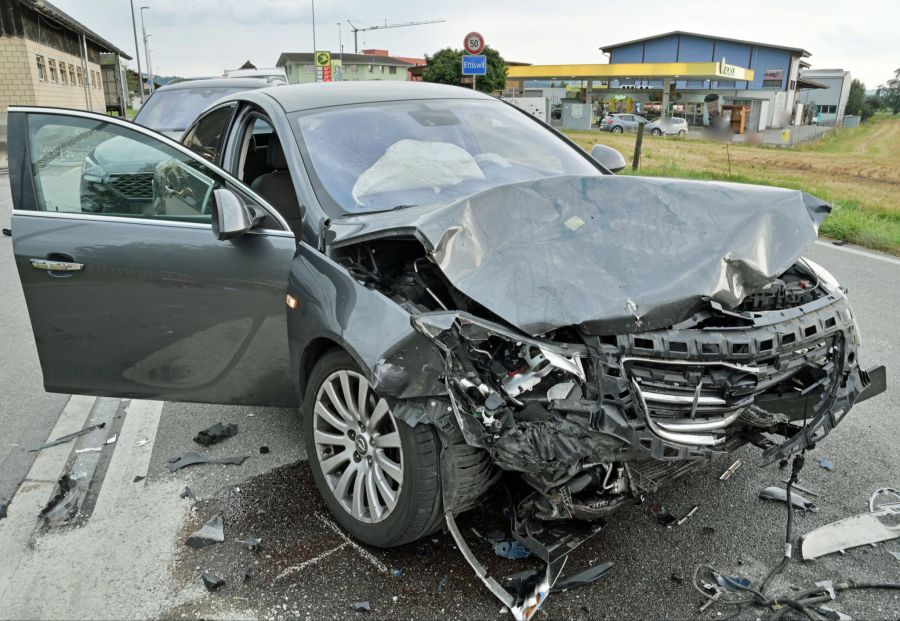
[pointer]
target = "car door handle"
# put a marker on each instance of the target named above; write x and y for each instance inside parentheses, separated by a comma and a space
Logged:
(56, 266)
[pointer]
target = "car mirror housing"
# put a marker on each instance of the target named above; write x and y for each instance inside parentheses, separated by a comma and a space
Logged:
(608, 157)
(230, 216)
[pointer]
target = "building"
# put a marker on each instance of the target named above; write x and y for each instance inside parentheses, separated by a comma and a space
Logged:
(49, 59)
(413, 61)
(824, 93)
(301, 67)
(677, 72)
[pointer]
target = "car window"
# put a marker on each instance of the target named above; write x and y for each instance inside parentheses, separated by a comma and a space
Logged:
(385, 155)
(626, 117)
(175, 109)
(87, 166)
(206, 136)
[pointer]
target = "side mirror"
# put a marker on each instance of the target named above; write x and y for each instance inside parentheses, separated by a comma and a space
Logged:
(609, 157)
(230, 216)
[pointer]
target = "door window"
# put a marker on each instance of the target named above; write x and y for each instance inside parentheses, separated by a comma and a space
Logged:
(205, 138)
(82, 165)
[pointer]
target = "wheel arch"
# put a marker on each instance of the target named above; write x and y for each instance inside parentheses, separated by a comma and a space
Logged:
(315, 350)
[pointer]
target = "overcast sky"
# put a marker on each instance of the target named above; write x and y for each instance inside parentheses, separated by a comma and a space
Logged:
(203, 37)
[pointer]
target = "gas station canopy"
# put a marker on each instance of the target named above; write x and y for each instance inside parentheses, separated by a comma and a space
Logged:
(636, 71)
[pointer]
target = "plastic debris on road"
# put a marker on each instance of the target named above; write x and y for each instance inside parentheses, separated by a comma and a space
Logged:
(780, 495)
(212, 582)
(211, 532)
(64, 504)
(192, 459)
(511, 549)
(67, 438)
(362, 606)
(216, 433)
(825, 463)
(251, 543)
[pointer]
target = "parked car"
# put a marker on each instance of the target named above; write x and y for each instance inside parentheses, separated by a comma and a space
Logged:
(449, 289)
(618, 123)
(669, 126)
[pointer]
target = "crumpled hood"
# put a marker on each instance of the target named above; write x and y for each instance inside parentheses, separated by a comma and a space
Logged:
(609, 254)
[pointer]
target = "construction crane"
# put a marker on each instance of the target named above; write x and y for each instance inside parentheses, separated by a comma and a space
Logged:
(355, 30)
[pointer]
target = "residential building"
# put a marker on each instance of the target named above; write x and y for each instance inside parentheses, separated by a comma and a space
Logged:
(47, 58)
(413, 61)
(301, 67)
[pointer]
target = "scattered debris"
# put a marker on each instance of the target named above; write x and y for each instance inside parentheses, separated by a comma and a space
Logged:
(93, 449)
(582, 578)
(396, 573)
(831, 614)
(839, 242)
(244, 575)
(442, 583)
(215, 434)
(64, 504)
(688, 514)
(112, 439)
(252, 543)
(896, 555)
(708, 530)
(187, 493)
(212, 582)
(264, 450)
(142, 442)
(67, 437)
(511, 549)
(662, 515)
(138, 479)
(825, 463)
(192, 459)
(362, 606)
(780, 494)
(211, 532)
(4, 503)
(801, 486)
(884, 498)
(883, 524)
(731, 470)
(493, 536)
(678, 578)
(732, 583)
(421, 552)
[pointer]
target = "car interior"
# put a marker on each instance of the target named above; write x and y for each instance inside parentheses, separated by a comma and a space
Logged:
(264, 168)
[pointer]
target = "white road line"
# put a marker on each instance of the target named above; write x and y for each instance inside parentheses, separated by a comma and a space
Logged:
(862, 253)
(128, 460)
(362, 551)
(37, 488)
(290, 571)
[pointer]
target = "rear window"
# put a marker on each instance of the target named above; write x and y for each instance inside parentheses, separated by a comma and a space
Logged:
(174, 110)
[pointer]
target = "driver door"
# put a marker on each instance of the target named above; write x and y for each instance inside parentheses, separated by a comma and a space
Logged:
(129, 292)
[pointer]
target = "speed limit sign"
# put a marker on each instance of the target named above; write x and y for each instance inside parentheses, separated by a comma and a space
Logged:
(474, 43)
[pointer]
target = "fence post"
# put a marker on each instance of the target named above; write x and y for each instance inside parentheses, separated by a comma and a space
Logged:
(636, 160)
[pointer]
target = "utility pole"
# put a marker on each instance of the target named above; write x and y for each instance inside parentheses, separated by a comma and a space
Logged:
(147, 48)
(137, 53)
(313, 5)
(340, 43)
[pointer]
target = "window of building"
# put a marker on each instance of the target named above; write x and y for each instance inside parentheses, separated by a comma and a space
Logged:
(392, 70)
(54, 75)
(42, 70)
(63, 76)
(771, 83)
(827, 109)
(371, 68)
(80, 74)
(72, 75)
(382, 68)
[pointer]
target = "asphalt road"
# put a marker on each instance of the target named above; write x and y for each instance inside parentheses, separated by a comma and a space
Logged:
(126, 558)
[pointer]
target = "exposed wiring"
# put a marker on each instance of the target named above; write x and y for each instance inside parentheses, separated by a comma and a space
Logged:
(801, 601)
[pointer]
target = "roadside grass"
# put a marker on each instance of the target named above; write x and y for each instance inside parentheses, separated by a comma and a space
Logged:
(856, 170)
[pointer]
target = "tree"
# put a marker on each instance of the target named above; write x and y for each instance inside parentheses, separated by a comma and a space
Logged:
(445, 67)
(889, 93)
(856, 100)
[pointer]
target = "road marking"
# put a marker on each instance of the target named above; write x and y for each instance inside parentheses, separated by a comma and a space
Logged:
(141, 422)
(290, 571)
(37, 489)
(362, 551)
(862, 253)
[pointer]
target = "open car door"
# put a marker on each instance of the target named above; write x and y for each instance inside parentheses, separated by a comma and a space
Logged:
(129, 291)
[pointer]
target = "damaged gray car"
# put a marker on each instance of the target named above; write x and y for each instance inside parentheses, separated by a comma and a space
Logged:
(457, 296)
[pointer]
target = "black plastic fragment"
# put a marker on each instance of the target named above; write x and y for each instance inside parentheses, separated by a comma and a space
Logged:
(64, 504)
(442, 583)
(4, 503)
(187, 493)
(211, 532)
(582, 578)
(67, 438)
(251, 543)
(264, 450)
(362, 606)
(212, 582)
(216, 433)
(663, 517)
(192, 459)
(244, 575)
(138, 479)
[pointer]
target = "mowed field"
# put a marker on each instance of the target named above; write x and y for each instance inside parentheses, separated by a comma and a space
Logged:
(856, 170)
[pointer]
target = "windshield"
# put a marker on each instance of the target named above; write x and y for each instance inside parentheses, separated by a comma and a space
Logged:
(379, 156)
(174, 110)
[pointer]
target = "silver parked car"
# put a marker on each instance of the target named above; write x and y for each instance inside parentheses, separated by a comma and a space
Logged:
(618, 123)
(669, 126)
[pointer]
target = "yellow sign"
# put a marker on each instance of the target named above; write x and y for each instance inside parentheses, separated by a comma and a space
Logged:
(635, 71)
(323, 59)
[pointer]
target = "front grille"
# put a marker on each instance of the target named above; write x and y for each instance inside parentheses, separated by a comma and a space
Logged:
(136, 186)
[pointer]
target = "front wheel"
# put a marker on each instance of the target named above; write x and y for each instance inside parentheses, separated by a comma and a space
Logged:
(379, 477)
(682, 133)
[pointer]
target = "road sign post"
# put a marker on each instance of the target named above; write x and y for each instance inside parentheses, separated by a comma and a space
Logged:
(474, 64)
(323, 66)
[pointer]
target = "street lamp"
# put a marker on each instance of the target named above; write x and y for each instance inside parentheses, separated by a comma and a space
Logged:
(137, 53)
(147, 47)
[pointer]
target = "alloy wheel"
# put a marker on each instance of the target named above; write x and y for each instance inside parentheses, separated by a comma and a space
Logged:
(357, 446)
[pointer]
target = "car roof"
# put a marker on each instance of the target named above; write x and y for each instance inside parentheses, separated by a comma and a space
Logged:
(247, 83)
(297, 97)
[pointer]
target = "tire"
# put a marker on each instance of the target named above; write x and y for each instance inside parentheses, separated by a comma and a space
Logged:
(682, 133)
(656, 132)
(617, 129)
(417, 509)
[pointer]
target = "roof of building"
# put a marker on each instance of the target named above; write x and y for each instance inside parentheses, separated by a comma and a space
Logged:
(51, 12)
(306, 58)
(296, 97)
(821, 73)
(613, 46)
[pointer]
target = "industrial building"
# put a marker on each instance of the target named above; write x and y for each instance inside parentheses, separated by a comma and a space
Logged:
(825, 94)
(680, 73)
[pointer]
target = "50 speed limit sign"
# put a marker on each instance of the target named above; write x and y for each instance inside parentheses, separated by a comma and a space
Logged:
(474, 43)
